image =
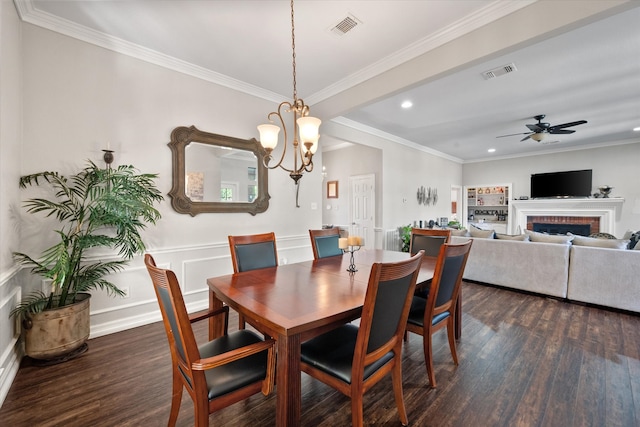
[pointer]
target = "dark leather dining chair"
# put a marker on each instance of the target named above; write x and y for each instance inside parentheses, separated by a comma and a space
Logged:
(353, 358)
(252, 252)
(429, 315)
(325, 242)
(428, 240)
(217, 373)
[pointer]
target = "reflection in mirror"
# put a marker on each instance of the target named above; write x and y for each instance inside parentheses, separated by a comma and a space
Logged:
(216, 173)
(220, 174)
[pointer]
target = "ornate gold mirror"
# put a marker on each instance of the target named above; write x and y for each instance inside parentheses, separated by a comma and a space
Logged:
(217, 173)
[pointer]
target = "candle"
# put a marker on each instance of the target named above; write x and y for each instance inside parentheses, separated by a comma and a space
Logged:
(342, 243)
(353, 241)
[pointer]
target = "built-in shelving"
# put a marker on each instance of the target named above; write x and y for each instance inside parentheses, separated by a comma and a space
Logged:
(487, 207)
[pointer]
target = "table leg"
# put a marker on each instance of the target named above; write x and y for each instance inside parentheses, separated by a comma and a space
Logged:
(216, 325)
(288, 383)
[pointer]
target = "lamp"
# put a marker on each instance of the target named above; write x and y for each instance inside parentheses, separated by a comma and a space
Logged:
(305, 125)
(538, 136)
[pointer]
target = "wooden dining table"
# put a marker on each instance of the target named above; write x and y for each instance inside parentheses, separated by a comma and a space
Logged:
(295, 302)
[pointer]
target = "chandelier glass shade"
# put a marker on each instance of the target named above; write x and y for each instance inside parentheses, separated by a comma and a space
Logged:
(305, 133)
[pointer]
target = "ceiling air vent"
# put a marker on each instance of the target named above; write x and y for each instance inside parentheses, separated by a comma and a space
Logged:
(500, 71)
(345, 25)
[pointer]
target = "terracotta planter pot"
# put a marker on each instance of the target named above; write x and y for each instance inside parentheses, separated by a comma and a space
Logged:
(55, 333)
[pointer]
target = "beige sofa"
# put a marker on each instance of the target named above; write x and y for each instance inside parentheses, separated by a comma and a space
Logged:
(535, 267)
(608, 277)
(602, 276)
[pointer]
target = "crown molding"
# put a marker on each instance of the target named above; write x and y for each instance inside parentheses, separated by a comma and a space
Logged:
(28, 13)
(484, 16)
(392, 138)
(497, 9)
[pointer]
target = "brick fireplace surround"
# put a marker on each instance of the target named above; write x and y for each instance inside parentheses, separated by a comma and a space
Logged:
(592, 221)
(601, 214)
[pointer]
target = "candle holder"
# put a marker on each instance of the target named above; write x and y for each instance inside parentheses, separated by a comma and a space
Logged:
(352, 264)
(350, 245)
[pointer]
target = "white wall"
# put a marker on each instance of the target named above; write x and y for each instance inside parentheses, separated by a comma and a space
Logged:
(614, 166)
(404, 170)
(341, 164)
(78, 98)
(10, 137)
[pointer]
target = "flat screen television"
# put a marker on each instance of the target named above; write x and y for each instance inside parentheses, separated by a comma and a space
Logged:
(561, 184)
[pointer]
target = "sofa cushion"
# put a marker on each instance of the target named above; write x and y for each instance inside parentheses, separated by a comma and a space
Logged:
(633, 240)
(520, 237)
(481, 234)
(459, 232)
(534, 236)
(599, 243)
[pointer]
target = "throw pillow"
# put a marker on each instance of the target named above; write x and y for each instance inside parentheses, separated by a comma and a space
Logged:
(462, 232)
(601, 236)
(481, 234)
(633, 240)
(599, 243)
(534, 236)
(520, 237)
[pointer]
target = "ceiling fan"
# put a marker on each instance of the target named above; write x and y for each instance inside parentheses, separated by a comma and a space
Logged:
(540, 130)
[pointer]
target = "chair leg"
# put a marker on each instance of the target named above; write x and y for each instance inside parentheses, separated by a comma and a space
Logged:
(428, 357)
(451, 334)
(241, 321)
(176, 398)
(201, 409)
(356, 410)
(396, 377)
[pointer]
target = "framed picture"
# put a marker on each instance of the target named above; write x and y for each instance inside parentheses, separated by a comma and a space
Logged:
(332, 189)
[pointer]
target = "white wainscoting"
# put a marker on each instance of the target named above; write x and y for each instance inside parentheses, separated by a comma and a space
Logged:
(10, 346)
(192, 265)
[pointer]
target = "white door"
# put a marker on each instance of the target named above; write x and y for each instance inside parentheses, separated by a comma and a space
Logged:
(362, 212)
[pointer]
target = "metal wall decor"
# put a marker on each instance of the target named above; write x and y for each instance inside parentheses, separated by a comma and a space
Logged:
(427, 196)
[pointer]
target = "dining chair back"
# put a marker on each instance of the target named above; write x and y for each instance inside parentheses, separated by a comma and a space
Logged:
(428, 240)
(218, 373)
(436, 311)
(325, 242)
(252, 252)
(353, 358)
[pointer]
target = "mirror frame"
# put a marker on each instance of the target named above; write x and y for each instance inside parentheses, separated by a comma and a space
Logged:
(181, 137)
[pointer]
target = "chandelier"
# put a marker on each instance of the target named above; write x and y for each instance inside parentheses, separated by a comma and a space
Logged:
(304, 126)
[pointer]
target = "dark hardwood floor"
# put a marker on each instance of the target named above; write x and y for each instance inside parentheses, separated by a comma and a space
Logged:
(525, 360)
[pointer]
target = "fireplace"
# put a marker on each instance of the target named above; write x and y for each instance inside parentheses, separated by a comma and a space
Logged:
(555, 224)
(599, 214)
(562, 228)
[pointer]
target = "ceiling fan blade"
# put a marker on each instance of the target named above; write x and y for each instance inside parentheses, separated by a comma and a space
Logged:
(561, 131)
(567, 125)
(514, 134)
(525, 138)
(536, 128)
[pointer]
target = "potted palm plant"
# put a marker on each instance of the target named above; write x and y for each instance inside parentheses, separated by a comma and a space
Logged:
(96, 208)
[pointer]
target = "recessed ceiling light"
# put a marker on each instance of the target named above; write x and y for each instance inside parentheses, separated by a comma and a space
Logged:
(636, 129)
(491, 150)
(407, 104)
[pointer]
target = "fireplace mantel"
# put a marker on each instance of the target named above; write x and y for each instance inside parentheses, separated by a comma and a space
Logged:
(608, 210)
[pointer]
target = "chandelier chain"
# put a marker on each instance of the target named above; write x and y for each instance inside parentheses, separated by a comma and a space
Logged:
(293, 48)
